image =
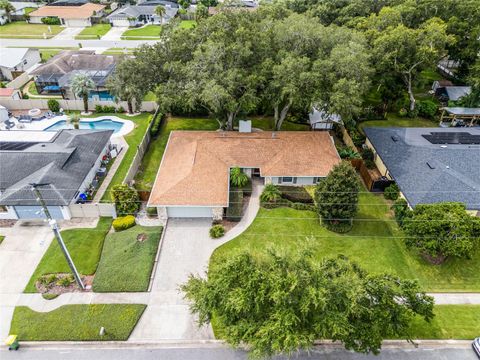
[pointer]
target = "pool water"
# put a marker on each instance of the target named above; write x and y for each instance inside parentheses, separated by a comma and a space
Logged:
(93, 125)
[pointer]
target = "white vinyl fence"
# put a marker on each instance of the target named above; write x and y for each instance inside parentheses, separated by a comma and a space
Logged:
(92, 210)
(19, 81)
(67, 105)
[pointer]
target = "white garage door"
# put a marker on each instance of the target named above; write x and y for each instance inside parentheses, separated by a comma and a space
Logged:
(33, 212)
(189, 212)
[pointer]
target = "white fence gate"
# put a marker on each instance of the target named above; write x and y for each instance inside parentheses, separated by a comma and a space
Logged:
(92, 210)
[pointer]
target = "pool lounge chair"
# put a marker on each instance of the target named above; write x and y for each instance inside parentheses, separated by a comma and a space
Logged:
(25, 119)
(48, 114)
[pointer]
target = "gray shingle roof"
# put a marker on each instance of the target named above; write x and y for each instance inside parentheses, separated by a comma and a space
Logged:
(456, 92)
(456, 168)
(145, 8)
(63, 162)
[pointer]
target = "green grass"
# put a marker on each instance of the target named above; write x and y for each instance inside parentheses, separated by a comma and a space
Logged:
(150, 96)
(127, 263)
(146, 32)
(76, 322)
(21, 29)
(1, 239)
(32, 89)
(117, 51)
(374, 233)
(460, 322)
(187, 24)
(394, 120)
(133, 139)
(28, 10)
(151, 161)
(85, 247)
(266, 123)
(47, 53)
(93, 32)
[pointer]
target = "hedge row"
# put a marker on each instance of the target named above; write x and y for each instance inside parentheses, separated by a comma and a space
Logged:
(296, 194)
(287, 203)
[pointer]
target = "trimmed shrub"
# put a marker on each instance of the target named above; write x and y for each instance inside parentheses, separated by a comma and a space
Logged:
(120, 110)
(152, 211)
(392, 192)
(401, 210)
(296, 194)
(98, 108)
(66, 281)
(123, 223)
(105, 109)
(427, 108)
(51, 20)
(367, 156)
(346, 152)
(217, 231)
(53, 105)
(157, 123)
(235, 205)
(126, 199)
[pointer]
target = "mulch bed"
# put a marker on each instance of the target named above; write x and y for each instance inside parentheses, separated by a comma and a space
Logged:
(54, 288)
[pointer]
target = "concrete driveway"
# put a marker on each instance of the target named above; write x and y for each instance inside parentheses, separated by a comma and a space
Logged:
(69, 33)
(186, 249)
(20, 253)
(114, 33)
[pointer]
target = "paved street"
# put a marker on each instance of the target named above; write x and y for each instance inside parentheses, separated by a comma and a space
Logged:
(55, 43)
(221, 353)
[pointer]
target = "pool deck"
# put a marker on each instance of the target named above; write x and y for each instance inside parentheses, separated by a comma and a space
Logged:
(41, 125)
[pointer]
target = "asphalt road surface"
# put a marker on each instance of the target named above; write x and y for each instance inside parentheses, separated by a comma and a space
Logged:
(220, 353)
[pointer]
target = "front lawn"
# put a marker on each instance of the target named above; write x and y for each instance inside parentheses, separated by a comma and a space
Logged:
(76, 322)
(151, 161)
(21, 29)
(127, 261)
(375, 242)
(85, 247)
(461, 322)
(93, 32)
(143, 33)
(267, 123)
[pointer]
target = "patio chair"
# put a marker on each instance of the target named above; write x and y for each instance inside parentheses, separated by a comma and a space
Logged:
(48, 114)
(25, 119)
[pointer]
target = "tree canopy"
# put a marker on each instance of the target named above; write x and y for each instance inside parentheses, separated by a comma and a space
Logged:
(283, 303)
(442, 230)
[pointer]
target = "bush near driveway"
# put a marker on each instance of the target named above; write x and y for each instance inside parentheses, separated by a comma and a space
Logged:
(85, 247)
(127, 260)
(76, 322)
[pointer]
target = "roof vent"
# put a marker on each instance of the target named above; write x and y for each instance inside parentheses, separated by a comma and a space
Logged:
(245, 126)
(395, 138)
(274, 135)
(443, 146)
(430, 165)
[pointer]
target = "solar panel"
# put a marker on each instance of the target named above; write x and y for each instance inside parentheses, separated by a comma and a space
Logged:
(15, 145)
(462, 138)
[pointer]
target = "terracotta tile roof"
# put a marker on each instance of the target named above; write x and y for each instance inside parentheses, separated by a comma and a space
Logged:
(195, 166)
(69, 12)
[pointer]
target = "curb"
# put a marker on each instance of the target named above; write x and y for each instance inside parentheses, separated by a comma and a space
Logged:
(185, 344)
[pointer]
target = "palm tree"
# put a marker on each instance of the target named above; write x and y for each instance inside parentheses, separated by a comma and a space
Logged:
(74, 119)
(81, 85)
(160, 11)
(8, 8)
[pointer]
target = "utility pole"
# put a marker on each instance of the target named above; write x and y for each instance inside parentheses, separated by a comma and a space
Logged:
(56, 232)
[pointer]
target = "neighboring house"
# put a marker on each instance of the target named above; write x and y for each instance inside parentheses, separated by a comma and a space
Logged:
(69, 2)
(440, 83)
(21, 8)
(143, 13)
(452, 93)
(67, 160)
(459, 117)
(430, 165)
(70, 16)
(322, 120)
(10, 93)
(248, 5)
(55, 75)
(14, 61)
(193, 178)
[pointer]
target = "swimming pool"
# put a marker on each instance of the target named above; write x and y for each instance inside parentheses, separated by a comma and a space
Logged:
(105, 124)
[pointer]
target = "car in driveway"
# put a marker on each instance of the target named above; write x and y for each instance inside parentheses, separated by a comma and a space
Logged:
(476, 346)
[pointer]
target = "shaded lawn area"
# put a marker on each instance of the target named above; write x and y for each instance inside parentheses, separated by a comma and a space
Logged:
(187, 24)
(93, 32)
(21, 29)
(85, 246)
(127, 263)
(146, 32)
(76, 322)
(375, 242)
(151, 161)
(460, 322)
(267, 123)
(394, 120)
(133, 139)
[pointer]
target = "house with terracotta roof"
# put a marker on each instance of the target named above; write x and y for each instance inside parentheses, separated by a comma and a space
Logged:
(10, 93)
(70, 16)
(194, 175)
